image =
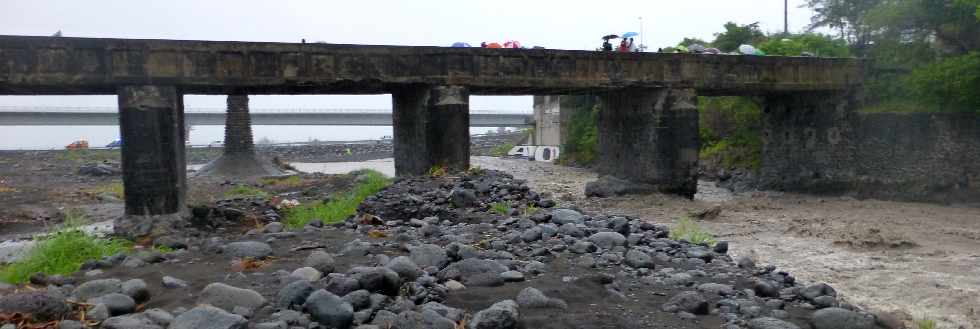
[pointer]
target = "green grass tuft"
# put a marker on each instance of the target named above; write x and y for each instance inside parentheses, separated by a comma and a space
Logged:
(245, 191)
(114, 189)
(501, 150)
(686, 229)
(344, 205)
(925, 323)
(62, 252)
(531, 210)
(501, 208)
(290, 181)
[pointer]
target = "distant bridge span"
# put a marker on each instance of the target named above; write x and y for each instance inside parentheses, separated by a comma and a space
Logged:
(108, 116)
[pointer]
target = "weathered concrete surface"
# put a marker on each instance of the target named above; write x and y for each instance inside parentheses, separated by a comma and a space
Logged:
(547, 121)
(154, 169)
(58, 65)
(239, 159)
(431, 127)
(818, 144)
(298, 118)
(650, 136)
(238, 126)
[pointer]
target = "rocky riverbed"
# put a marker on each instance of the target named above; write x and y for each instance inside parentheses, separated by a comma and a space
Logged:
(480, 250)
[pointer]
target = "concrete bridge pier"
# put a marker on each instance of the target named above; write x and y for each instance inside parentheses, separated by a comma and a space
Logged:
(431, 128)
(151, 123)
(238, 159)
(649, 137)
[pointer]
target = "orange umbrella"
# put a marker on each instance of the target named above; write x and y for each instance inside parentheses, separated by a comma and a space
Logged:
(494, 45)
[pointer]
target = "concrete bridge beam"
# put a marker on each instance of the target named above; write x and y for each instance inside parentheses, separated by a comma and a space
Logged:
(649, 137)
(431, 128)
(151, 121)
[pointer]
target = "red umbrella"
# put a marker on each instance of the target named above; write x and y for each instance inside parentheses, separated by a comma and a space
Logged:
(494, 45)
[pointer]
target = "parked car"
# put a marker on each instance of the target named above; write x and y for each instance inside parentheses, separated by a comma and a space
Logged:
(115, 144)
(79, 144)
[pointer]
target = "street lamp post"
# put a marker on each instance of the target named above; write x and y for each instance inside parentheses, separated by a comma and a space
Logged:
(642, 47)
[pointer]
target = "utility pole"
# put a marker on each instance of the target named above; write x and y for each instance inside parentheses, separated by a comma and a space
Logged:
(641, 34)
(786, 17)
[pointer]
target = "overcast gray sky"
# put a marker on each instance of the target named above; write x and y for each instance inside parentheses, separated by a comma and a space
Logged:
(568, 24)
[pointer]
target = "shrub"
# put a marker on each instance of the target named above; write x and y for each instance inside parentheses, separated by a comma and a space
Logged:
(687, 230)
(342, 205)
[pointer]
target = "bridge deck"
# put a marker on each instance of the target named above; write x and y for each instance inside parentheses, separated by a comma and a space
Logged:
(50, 65)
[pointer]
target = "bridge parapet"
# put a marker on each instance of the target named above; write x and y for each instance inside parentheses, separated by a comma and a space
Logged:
(49, 65)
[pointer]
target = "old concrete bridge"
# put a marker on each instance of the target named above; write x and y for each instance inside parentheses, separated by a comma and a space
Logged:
(648, 129)
(105, 116)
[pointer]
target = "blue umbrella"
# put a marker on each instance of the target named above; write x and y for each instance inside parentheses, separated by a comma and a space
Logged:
(461, 45)
(630, 34)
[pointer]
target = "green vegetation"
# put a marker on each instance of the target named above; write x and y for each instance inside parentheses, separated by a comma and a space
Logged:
(114, 189)
(925, 323)
(731, 132)
(531, 210)
(342, 205)
(289, 181)
(501, 150)
(501, 208)
(62, 252)
(687, 230)
(923, 52)
(476, 171)
(245, 191)
(437, 171)
(582, 136)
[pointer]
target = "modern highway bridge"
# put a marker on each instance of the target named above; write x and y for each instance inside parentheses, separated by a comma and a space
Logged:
(109, 116)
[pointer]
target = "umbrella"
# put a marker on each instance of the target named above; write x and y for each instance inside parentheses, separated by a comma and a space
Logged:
(696, 48)
(746, 49)
(611, 36)
(630, 34)
(494, 45)
(461, 45)
(712, 51)
(512, 44)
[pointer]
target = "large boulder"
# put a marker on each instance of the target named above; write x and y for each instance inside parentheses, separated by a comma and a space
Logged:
(208, 317)
(96, 288)
(638, 259)
(770, 323)
(429, 255)
(687, 301)
(608, 240)
(377, 279)
(329, 309)
(500, 315)
(294, 294)
(566, 216)
(405, 268)
(424, 320)
(42, 305)
(474, 271)
(533, 298)
(607, 186)
(248, 249)
(227, 297)
(320, 260)
(839, 318)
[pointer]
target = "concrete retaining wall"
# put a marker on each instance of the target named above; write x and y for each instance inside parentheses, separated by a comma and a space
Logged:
(910, 157)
